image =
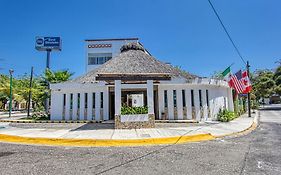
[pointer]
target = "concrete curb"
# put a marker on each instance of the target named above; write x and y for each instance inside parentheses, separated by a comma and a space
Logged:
(245, 131)
(104, 143)
(121, 143)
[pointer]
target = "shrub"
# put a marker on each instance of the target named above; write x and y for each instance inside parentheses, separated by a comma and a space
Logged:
(126, 110)
(39, 114)
(225, 115)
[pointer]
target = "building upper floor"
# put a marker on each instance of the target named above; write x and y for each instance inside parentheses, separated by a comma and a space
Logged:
(99, 51)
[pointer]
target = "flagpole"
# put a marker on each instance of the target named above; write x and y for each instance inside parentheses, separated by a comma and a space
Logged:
(248, 95)
(231, 65)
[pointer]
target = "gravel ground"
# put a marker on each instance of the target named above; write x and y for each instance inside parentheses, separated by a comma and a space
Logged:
(256, 153)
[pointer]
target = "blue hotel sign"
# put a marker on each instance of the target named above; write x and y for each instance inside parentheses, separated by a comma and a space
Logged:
(48, 43)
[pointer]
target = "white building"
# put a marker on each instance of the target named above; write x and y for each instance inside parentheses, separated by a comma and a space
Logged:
(134, 78)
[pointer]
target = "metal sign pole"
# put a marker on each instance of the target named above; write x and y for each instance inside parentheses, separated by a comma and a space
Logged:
(29, 94)
(48, 83)
(11, 92)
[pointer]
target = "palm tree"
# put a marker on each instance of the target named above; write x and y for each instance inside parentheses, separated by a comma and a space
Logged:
(57, 76)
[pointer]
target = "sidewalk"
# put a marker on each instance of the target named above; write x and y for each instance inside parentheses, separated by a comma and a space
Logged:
(14, 115)
(134, 136)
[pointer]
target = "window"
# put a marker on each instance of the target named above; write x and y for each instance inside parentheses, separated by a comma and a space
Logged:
(200, 98)
(175, 98)
(165, 98)
(78, 100)
(86, 100)
(183, 98)
(207, 97)
(64, 100)
(98, 58)
(94, 100)
(71, 101)
(101, 100)
(192, 98)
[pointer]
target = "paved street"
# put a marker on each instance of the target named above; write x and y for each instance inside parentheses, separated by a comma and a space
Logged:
(255, 153)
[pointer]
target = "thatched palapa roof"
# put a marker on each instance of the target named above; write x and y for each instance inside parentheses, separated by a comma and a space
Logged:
(135, 61)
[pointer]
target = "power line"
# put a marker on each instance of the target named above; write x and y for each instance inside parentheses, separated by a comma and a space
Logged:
(224, 28)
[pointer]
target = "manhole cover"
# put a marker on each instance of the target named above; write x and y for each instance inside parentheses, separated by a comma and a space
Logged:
(2, 154)
(145, 135)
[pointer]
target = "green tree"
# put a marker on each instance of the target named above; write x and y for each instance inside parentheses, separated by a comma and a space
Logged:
(277, 79)
(217, 75)
(263, 83)
(38, 89)
(57, 76)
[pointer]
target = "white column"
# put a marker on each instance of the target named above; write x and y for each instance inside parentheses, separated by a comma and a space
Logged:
(105, 105)
(188, 103)
(97, 104)
(170, 104)
(204, 104)
(179, 104)
(197, 104)
(90, 106)
(74, 107)
(67, 106)
(56, 105)
(230, 100)
(117, 97)
(82, 106)
(161, 102)
(150, 99)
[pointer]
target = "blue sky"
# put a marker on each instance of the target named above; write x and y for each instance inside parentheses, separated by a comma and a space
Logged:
(184, 33)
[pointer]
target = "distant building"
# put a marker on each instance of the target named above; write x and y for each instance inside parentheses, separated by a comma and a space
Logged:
(129, 75)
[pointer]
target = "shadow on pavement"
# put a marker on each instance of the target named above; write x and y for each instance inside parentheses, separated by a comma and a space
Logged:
(270, 108)
(95, 126)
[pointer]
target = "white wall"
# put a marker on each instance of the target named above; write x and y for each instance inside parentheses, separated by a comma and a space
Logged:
(219, 96)
(58, 91)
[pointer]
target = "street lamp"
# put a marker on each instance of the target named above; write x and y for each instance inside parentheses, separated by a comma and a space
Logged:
(11, 91)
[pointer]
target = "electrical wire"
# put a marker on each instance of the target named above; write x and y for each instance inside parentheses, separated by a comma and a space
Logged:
(227, 33)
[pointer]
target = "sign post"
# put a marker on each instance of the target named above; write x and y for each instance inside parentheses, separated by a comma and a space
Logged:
(48, 44)
(29, 93)
(11, 92)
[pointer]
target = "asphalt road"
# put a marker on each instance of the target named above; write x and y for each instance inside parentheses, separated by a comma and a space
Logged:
(256, 153)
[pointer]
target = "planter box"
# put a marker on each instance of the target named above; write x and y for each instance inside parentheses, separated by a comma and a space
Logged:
(134, 121)
(134, 118)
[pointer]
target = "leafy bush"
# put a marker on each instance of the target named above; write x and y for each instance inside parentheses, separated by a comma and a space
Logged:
(39, 114)
(126, 110)
(225, 115)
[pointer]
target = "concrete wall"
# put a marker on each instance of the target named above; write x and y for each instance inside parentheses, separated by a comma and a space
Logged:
(65, 104)
(219, 97)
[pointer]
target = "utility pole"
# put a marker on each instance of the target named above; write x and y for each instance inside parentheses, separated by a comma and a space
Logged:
(48, 84)
(30, 93)
(248, 95)
(11, 92)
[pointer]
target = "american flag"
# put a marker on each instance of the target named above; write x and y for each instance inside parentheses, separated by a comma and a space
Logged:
(236, 82)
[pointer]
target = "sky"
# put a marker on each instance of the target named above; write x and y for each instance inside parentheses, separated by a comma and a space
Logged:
(185, 33)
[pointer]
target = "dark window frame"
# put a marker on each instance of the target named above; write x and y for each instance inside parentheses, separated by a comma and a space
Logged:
(192, 98)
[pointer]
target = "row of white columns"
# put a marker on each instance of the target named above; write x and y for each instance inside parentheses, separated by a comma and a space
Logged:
(57, 106)
(179, 103)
